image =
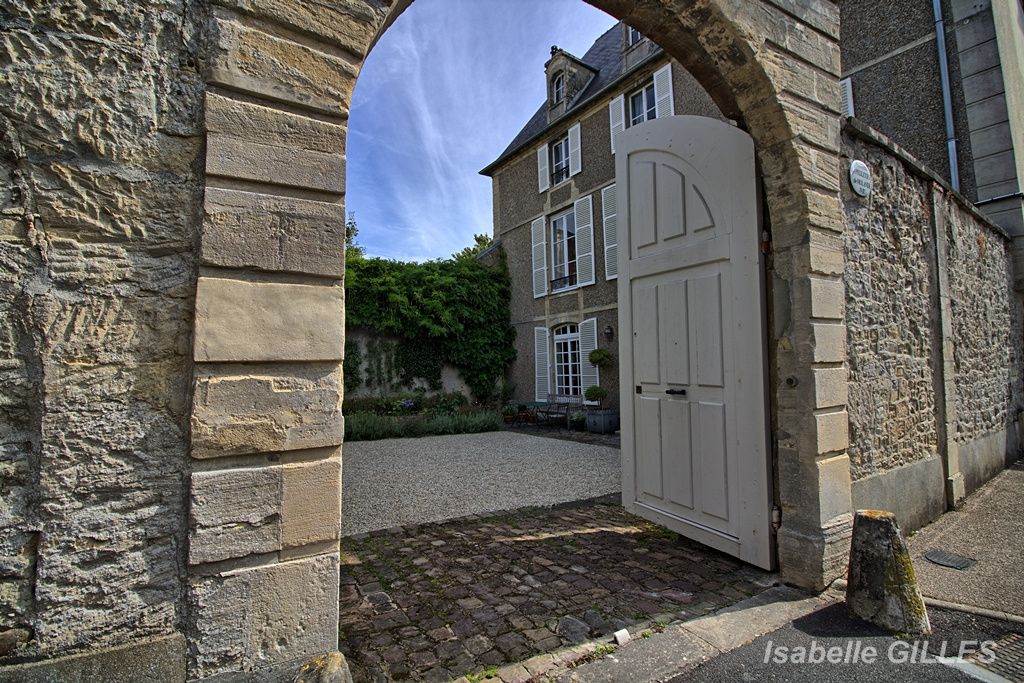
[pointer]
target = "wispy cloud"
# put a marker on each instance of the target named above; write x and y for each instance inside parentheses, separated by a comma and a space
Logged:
(444, 91)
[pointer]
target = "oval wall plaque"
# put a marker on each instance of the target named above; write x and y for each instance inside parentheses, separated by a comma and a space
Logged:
(860, 178)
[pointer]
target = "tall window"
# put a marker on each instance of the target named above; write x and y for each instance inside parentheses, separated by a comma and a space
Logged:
(557, 88)
(633, 37)
(560, 160)
(567, 360)
(563, 250)
(642, 106)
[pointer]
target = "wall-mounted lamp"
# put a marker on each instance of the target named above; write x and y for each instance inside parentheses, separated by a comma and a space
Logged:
(609, 333)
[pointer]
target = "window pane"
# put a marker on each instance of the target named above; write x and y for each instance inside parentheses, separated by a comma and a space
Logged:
(560, 160)
(567, 364)
(558, 248)
(636, 108)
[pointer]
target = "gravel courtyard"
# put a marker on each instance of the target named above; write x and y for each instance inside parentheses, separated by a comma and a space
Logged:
(396, 482)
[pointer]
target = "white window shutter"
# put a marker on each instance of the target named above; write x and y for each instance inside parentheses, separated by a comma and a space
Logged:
(664, 103)
(543, 176)
(588, 342)
(540, 257)
(584, 209)
(575, 153)
(846, 92)
(609, 214)
(542, 379)
(617, 117)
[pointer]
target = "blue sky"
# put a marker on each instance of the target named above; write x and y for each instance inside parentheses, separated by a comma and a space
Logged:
(440, 96)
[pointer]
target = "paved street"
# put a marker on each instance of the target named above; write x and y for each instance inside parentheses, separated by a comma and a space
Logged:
(988, 528)
(832, 628)
(409, 481)
(438, 601)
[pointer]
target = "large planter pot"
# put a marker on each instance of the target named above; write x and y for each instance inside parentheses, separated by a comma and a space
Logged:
(602, 421)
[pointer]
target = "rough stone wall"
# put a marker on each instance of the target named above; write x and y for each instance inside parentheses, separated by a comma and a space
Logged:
(890, 314)
(934, 329)
(100, 179)
(987, 326)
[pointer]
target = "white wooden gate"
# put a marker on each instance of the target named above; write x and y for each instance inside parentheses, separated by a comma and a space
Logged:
(690, 295)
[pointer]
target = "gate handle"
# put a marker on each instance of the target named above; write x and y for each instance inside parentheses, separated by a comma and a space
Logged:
(676, 392)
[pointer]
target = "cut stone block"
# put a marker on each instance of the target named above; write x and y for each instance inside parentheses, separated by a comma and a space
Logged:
(265, 144)
(261, 618)
(276, 408)
(237, 320)
(271, 232)
(260, 63)
(235, 513)
(311, 504)
(882, 585)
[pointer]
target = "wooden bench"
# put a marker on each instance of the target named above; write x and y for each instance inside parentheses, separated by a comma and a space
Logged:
(559, 407)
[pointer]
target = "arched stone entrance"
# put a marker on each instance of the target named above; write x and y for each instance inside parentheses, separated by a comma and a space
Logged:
(263, 557)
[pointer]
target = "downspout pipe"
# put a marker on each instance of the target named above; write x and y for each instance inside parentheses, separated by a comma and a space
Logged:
(947, 99)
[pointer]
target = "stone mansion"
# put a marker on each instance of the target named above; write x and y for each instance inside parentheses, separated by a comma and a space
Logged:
(554, 205)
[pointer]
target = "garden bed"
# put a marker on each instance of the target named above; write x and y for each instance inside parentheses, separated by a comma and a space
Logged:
(414, 415)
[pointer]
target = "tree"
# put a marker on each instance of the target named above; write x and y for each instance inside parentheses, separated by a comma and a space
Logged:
(352, 250)
(480, 242)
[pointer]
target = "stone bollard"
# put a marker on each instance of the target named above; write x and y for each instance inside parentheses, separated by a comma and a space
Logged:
(326, 668)
(881, 585)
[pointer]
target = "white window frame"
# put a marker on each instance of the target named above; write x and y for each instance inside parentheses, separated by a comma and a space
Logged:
(650, 105)
(560, 166)
(558, 87)
(568, 363)
(562, 260)
(633, 36)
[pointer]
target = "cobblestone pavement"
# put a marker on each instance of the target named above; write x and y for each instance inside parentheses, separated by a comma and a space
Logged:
(439, 601)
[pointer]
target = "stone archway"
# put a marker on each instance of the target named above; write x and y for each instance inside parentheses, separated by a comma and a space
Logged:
(263, 557)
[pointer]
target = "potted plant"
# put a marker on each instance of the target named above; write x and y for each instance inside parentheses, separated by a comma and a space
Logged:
(509, 412)
(596, 394)
(600, 421)
(578, 421)
(601, 358)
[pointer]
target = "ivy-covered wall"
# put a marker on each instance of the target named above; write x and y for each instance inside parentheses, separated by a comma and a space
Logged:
(407, 322)
(377, 365)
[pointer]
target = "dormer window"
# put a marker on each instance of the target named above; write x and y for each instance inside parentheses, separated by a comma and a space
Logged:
(632, 36)
(557, 88)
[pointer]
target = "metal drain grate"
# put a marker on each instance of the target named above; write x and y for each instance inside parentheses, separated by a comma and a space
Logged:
(1009, 661)
(946, 559)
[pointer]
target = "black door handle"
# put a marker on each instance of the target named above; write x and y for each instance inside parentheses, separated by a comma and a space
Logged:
(676, 392)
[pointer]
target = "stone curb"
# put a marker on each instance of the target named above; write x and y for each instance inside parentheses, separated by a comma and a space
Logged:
(840, 584)
(540, 667)
(685, 645)
(680, 646)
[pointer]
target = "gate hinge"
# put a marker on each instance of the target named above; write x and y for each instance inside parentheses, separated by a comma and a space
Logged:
(766, 242)
(776, 518)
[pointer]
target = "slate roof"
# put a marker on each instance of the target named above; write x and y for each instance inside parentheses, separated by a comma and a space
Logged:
(605, 56)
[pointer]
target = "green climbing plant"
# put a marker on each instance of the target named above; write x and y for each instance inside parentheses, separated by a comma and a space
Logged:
(453, 311)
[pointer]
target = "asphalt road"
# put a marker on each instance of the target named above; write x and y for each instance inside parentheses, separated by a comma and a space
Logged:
(832, 628)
